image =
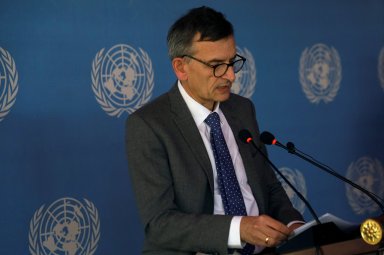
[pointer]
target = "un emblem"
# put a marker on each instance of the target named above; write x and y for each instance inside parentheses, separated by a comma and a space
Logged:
(381, 67)
(295, 177)
(8, 83)
(66, 227)
(368, 173)
(122, 79)
(320, 73)
(245, 82)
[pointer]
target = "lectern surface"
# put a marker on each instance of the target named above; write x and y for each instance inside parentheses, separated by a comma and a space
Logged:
(350, 247)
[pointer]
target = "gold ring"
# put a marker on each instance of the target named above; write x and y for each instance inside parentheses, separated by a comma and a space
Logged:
(266, 240)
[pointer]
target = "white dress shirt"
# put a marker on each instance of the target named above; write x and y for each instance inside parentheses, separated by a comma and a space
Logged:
(199, 114)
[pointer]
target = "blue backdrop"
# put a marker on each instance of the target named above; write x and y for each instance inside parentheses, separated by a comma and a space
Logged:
(72, 71)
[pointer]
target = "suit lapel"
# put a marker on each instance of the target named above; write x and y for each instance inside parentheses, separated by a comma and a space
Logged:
(187, 127)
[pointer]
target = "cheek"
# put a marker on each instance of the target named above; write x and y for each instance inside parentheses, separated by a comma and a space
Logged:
(211, 83)
(204, 83)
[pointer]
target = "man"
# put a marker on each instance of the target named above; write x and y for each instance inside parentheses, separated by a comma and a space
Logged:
(176, 169)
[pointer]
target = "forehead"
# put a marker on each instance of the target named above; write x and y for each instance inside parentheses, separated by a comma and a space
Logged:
(223, 49)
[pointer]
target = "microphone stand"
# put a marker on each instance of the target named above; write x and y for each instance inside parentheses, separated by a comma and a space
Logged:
(313, 213)
(293, 150)
(314, 236)
(380, 219)
(268, 138)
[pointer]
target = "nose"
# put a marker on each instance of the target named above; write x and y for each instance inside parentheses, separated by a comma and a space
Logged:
(230, 74)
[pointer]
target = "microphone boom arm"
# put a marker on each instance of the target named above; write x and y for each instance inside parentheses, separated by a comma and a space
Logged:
(291, 149)
(246, 138)
(268, 138)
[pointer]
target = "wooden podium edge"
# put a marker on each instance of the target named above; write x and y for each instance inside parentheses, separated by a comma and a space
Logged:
(350, 247)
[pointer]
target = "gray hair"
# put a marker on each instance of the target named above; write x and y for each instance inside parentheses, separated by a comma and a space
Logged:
(210, 24)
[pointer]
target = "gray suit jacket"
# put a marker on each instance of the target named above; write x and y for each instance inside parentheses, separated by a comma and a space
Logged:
(173, 180)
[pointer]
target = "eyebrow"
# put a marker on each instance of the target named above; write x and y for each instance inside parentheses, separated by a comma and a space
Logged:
(220, 61)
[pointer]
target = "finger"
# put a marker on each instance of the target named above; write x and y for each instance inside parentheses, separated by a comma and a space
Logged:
(273, 237)
(268, 241)
(276, 225)
(262, 230)
(274, 231)
(266, 236)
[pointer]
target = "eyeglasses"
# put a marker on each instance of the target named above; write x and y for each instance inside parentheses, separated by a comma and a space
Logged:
(220, 69)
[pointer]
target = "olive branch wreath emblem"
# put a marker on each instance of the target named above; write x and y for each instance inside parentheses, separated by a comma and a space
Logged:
(10, 95)
(352, 197)
(312, 97)
(299, 182)
(248, 86)
(34, 248)
(108, 106)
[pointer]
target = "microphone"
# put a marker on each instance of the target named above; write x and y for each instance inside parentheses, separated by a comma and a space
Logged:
(269, 139)
(246, 137)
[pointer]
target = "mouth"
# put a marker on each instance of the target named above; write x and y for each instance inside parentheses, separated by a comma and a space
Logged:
(224, 87)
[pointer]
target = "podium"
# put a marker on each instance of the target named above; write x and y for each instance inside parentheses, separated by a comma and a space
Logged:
(331, 237)
(350, 247)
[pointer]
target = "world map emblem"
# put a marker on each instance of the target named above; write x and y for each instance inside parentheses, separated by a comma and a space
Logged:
(381, 67)
(296, 178)
(66, 227)
(369, 174)
(8, 83)
(320, 73)
(245, 82)
(122, 79)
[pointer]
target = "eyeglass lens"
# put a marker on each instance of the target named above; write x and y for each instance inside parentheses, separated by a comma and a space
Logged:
(221, 69)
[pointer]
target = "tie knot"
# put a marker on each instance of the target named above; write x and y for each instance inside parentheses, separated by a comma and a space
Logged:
(213, 120)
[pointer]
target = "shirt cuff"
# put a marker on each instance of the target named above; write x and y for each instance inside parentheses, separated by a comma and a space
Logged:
(234, 240)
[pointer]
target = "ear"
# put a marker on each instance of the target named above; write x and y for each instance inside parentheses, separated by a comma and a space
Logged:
(179, 68)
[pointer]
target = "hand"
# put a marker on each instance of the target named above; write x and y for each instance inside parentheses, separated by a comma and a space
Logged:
(263, 230)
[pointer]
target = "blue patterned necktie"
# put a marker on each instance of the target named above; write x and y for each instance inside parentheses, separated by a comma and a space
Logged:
(229, 187)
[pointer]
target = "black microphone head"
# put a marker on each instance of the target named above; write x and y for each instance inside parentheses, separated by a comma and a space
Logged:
(245, 136)
(290, 146)
(267, 138)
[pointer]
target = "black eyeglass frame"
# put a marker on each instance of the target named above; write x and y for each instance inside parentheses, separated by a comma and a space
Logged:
(214, 67)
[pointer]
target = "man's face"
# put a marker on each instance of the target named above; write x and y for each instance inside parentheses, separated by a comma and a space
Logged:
(200, 83)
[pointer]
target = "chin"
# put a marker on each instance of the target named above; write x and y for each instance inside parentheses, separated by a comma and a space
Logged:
(223, 98)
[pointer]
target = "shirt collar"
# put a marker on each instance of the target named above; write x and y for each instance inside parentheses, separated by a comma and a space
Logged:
(198, 111)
